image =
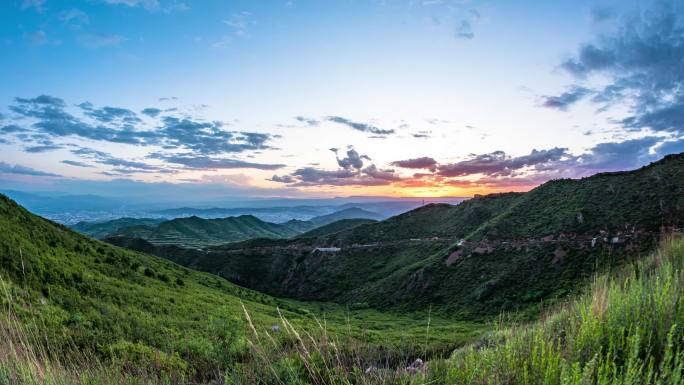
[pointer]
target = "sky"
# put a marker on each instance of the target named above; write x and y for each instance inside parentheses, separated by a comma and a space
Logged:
(335, 98)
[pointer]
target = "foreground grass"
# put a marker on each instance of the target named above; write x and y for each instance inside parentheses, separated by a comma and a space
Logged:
(627, 329)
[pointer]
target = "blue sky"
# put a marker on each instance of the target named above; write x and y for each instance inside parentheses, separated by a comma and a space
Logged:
(417, 98)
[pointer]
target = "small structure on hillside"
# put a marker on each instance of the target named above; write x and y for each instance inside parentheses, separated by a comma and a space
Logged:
(328, 249)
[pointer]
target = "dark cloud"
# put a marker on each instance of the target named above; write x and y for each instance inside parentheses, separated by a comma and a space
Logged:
(421, 134)
(283, 179)
(208, 138)
(120, 125)
(151, 112)
(352, 161)
(363, 127)
(417, 163)
(6, 168)
(644, 58)
(566, 99)
(499, 163)
(308, 121)
(204, 162)
(39, 149)
(110, 114)
(351, 173)
(77, 164)
(110, 160)
(615, 156)
(12, 128)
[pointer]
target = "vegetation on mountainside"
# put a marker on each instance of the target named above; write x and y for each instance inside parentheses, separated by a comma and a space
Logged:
(200, 232)
(619, 202)
(196, 232)
(71, 296)
(518, 248)
(626, 329)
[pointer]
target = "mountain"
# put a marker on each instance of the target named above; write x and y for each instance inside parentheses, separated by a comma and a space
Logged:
(489, 254)
(270, 214)
(86, 296)
(102, 229)
(322, 220)
(199, 232)
(335, 227)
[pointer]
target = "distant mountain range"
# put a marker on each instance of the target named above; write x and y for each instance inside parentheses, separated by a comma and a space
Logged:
(198, 232)
(486, 255)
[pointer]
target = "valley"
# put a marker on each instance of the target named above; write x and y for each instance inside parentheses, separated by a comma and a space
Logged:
(196, 300)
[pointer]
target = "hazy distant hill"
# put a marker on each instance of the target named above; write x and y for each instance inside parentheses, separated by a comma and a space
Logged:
(335, 227)
(488, 254)
(102, 229)
(199, 232)
(348, 213)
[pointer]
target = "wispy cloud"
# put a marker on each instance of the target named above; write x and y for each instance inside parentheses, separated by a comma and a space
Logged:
(6, 168)
(98, 40)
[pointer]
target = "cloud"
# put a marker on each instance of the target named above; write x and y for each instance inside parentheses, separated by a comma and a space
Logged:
(121, 125)
(601, 14)
(464, 30)
(352, 161)
(566, 99)
(150, 5)
(417, 163)
(422, 134)
(77, 164)
(208, 138)
(351, 172)
(240, 22)
(6, 168)
(363, 127)
(644, 60)
(499, 163)
(39, 149)
(110, 114)
(207, 163)
(12, 128)
(74, 17)
(151, 112)
(98, 40)
(37, 5)
(308, 121)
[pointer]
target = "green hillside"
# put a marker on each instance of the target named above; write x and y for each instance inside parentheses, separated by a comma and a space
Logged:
(67, 296)
(495, 253)
(624, 329)
(199, 232)
(100, 230)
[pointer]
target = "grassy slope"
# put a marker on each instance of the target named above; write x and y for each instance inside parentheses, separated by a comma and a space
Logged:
(625, 329)
(86, 296)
